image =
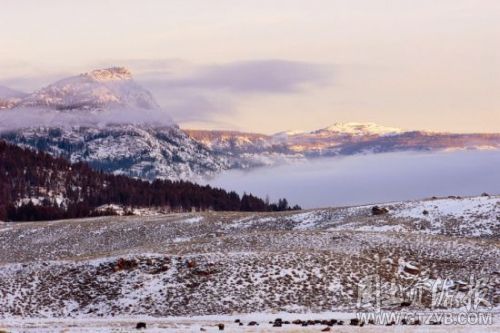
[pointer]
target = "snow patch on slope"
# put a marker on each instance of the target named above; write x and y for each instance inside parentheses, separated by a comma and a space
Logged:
(358, 129)
(478, 215)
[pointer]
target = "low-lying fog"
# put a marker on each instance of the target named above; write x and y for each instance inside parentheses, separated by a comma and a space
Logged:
(374, 178)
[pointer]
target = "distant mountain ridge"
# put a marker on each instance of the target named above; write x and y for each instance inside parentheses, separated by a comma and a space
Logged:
(342, 139)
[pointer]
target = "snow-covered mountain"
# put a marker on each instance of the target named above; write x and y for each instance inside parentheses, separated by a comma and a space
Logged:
(105, 118)
(98, 89)
(326, 141)
(350, 129)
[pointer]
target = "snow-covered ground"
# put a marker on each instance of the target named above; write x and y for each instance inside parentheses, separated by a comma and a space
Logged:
(181, 272)
(210, 324)
(479, 216)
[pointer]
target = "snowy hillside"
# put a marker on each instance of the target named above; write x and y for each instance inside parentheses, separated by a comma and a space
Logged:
(224, 263)
(101, 88)
(142, 151)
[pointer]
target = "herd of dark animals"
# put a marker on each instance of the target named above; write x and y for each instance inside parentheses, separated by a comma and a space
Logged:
(328, 323)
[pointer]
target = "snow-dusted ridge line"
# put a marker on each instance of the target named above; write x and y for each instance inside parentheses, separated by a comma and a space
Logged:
(360, 128)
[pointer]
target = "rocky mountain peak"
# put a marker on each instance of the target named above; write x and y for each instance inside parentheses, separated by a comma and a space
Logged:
(110, 74)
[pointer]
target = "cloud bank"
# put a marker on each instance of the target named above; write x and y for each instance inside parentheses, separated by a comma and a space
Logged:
(19, 118)
(262, 76)
(198, 92)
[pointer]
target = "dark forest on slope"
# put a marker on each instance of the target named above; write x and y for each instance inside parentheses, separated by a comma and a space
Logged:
(36, 186)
